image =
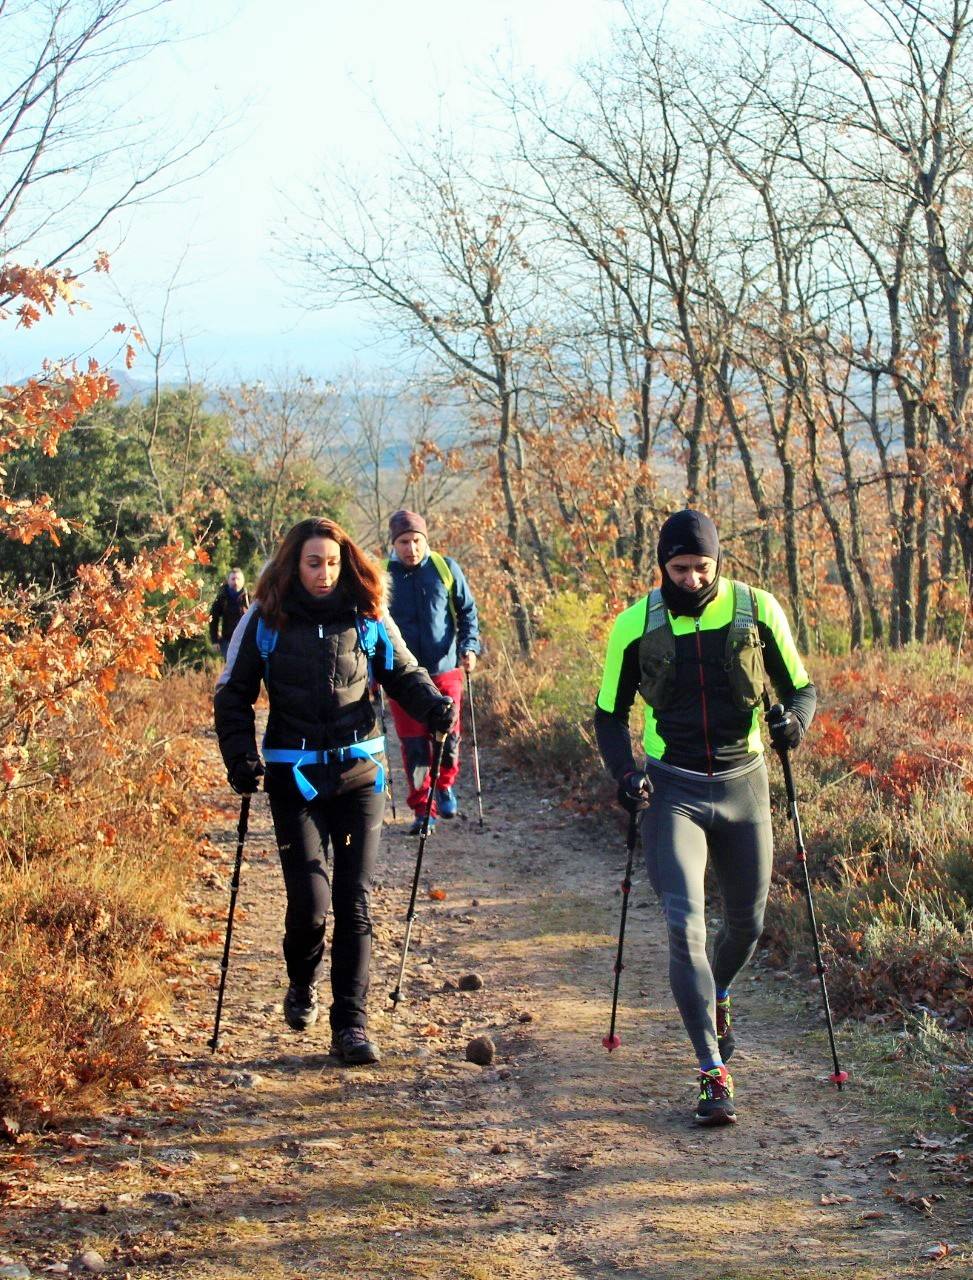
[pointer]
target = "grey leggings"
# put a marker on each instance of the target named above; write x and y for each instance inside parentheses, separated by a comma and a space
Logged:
(727, 819)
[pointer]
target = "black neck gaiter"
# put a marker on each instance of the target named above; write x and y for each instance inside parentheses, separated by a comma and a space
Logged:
(688, 533)
(689, 603)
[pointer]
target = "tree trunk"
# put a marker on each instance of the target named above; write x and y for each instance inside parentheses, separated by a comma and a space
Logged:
(925, 568)
(753, 477)
(845, 575)
(518, 607)
(905, 581)
(792, 558)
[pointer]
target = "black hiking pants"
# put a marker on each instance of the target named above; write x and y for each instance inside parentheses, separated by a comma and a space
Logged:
(352, 824)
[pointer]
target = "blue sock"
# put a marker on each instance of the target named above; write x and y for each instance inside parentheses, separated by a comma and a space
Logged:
(710, 1064)
(722, 993)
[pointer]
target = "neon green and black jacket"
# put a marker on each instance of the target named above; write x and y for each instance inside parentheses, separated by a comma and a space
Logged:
(707, 718)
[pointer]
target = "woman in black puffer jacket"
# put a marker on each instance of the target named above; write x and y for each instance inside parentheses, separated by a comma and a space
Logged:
(315, 633)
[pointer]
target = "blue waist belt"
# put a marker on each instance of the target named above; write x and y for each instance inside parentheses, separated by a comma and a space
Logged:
(355, 751)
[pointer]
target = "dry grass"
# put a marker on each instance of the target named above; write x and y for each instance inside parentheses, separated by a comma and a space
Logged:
(92, 871)
(885, 788)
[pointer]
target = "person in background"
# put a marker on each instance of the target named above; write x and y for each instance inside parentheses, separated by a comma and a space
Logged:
(434, 609)
(231, 603)
(699, 650)
(318, 634)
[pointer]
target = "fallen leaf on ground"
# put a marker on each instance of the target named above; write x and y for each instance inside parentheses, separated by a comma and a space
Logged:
(10, 1129)
(921, 1204)
(935, 1252)
(927, 1144)
(833, 1198)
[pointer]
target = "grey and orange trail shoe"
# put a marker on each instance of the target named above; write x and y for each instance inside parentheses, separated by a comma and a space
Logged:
(715, 1102)
(353, 1047)
(724, 1029)
(300, 1007)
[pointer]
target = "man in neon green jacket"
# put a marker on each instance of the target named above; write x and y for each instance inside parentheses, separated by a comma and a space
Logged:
(698, 649)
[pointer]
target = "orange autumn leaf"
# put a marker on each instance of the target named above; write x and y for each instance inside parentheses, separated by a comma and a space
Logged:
(438, 895)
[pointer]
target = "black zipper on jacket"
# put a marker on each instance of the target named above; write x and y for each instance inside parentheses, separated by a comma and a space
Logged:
(702, 695)
(320, 679)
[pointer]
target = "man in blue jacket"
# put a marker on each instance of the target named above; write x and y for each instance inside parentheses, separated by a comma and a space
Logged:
(432, 606)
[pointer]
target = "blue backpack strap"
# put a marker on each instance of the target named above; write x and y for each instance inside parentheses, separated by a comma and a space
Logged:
(374, 640)
(266, 643)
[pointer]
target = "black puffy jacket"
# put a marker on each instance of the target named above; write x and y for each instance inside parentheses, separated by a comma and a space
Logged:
(318, 690)
(228, 611)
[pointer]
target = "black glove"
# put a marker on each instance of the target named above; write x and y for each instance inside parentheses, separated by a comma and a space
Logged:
(786, 731)
(244, 774)
(442, 716)
(634, 791)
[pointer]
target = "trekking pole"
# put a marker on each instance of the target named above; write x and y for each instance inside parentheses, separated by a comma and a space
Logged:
(476, 752)
(612, 1040)
(388, 771)
(837, 1077)
(396, 995)
(241, 833)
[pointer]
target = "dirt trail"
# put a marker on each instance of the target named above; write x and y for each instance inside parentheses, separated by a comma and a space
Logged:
(272, 1162)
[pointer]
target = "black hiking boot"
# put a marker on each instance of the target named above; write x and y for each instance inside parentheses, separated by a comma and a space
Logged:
(300, 1006)
(353, 1047)
(724, 1029)
(715, 1102)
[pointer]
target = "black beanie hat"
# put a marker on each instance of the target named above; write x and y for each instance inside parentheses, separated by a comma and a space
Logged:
(688, 533)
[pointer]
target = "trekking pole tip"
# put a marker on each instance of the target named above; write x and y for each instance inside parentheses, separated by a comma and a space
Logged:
(612, 1041)
(839, 1078)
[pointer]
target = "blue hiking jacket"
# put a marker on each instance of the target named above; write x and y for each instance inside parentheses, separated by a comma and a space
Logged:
(420, 608)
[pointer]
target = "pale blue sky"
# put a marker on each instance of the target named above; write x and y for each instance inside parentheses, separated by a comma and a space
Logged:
(299, 77)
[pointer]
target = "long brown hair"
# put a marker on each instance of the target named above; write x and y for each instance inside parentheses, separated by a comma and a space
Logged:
(360, 575)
